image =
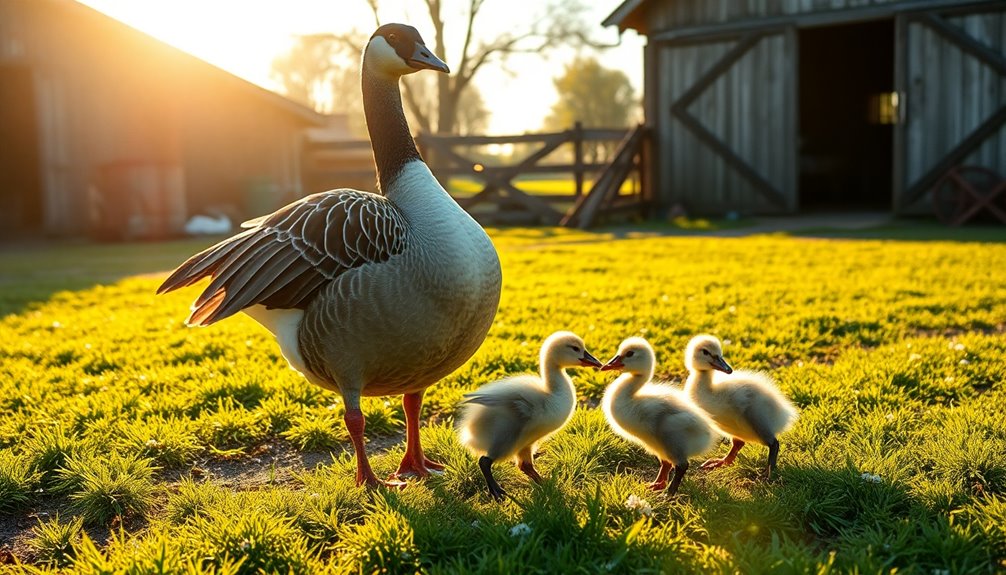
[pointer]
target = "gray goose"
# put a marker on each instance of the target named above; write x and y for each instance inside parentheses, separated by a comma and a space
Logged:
(367, 294)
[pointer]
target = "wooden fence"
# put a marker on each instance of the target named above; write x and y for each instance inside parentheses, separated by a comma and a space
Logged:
(506, 193)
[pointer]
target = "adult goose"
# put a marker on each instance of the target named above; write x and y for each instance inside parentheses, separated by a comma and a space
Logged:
(367, 294)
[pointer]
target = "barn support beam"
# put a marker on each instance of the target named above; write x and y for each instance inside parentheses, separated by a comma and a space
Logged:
(955, 156)
(964, 41)
(679, 110)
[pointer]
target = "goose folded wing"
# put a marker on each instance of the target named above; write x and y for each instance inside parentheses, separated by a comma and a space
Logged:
(516, 404)
(284, 258)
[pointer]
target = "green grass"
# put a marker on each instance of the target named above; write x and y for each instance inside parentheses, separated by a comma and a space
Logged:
(199, 450)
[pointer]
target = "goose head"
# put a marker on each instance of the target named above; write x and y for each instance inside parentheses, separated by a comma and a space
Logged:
(635, 356)
(397, 49)
(704, 353)
(565, 349)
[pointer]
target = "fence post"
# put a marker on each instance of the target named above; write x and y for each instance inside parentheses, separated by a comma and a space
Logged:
(578, 157)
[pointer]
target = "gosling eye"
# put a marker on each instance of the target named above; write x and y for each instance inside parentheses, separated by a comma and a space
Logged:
(574, 348)
(706, 353)
(630, 353)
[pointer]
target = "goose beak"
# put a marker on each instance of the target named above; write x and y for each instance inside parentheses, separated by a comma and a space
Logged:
(423, 59)
(721, 364)
(590, 361)
(614, 363)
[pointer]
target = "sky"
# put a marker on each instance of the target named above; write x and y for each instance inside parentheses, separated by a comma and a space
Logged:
(244, 36)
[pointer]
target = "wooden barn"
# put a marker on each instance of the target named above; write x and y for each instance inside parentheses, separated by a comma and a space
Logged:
(106, 130)
(783, 106)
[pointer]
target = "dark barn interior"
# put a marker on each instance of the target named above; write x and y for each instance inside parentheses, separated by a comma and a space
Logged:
(846, 117)
(20, 185)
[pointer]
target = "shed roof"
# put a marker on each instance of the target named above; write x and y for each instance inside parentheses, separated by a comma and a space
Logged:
(626, 15)
(292, 108)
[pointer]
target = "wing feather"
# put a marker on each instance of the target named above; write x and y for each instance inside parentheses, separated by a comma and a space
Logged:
(284, 258)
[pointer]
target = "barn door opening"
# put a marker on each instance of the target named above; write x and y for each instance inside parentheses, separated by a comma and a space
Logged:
(847, 116)
(20, 180)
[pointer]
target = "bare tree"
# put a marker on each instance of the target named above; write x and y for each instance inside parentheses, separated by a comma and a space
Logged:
(315, 64)
(561, 22)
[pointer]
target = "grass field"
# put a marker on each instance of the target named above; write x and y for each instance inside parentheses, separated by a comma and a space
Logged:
(132, 444)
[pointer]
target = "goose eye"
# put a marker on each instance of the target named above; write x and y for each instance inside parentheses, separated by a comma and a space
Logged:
(574, 348)
(706, 353)
(630, 353)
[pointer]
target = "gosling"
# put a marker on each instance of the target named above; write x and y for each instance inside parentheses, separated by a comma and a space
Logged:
(510, 417)
(746, 405)
(656, 416)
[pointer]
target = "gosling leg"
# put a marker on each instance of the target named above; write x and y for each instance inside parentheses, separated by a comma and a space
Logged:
(773, 455)
(661, 481)
(525, 462)
(735, 446)
(679, 474)
(486, 465)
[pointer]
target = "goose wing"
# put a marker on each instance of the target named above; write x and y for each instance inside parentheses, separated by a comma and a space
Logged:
(284, 258)
(514, 403)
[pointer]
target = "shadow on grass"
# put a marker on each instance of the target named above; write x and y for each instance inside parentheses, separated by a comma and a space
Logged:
(33, 272)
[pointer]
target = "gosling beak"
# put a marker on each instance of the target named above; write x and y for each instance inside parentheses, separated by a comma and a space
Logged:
(614, 363)
(423, 59)
(590, 361)
(721, 364)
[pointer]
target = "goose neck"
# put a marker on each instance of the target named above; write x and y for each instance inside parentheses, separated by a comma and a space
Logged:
(700, 380)
(556, 379)
(628, 384)
(390, 136)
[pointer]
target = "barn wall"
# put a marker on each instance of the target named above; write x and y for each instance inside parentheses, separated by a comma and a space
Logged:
(668, 14)
(949, 94)
(750, 108)
(108, 94)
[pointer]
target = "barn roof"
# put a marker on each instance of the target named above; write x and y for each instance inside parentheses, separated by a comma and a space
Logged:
(627, 15)
(292, 108)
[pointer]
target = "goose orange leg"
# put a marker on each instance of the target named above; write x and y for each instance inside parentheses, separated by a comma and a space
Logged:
(355, 424)
(735, 446)
(415, 463)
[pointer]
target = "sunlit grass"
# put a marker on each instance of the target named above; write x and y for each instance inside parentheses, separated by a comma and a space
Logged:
(122, 420)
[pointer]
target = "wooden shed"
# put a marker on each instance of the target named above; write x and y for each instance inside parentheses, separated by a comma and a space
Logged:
(103, 127)
(779, 106)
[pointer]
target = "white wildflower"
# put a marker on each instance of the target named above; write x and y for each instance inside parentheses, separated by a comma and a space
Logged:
(644, 331)
(476, 524)
(727, 342)
(523, 344)
(520, 530)
(639, 505)
(245, 545)
(871, 478)
(963, 362)
(153, 443)
(889, 417)
(56, 325)
(958, 347)
(732, 309)
(914, 357)
(949, 379)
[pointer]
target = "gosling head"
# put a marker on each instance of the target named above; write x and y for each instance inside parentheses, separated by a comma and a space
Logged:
(634, 356)
(704, 353)
(565, 349)
(398, 49)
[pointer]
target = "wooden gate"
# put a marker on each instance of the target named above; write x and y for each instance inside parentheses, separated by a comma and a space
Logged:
(951, 80)
(730, 131)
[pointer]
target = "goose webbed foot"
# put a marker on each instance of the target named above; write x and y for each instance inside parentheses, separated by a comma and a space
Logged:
(735, 446)
(660, 483)
(418, 466)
